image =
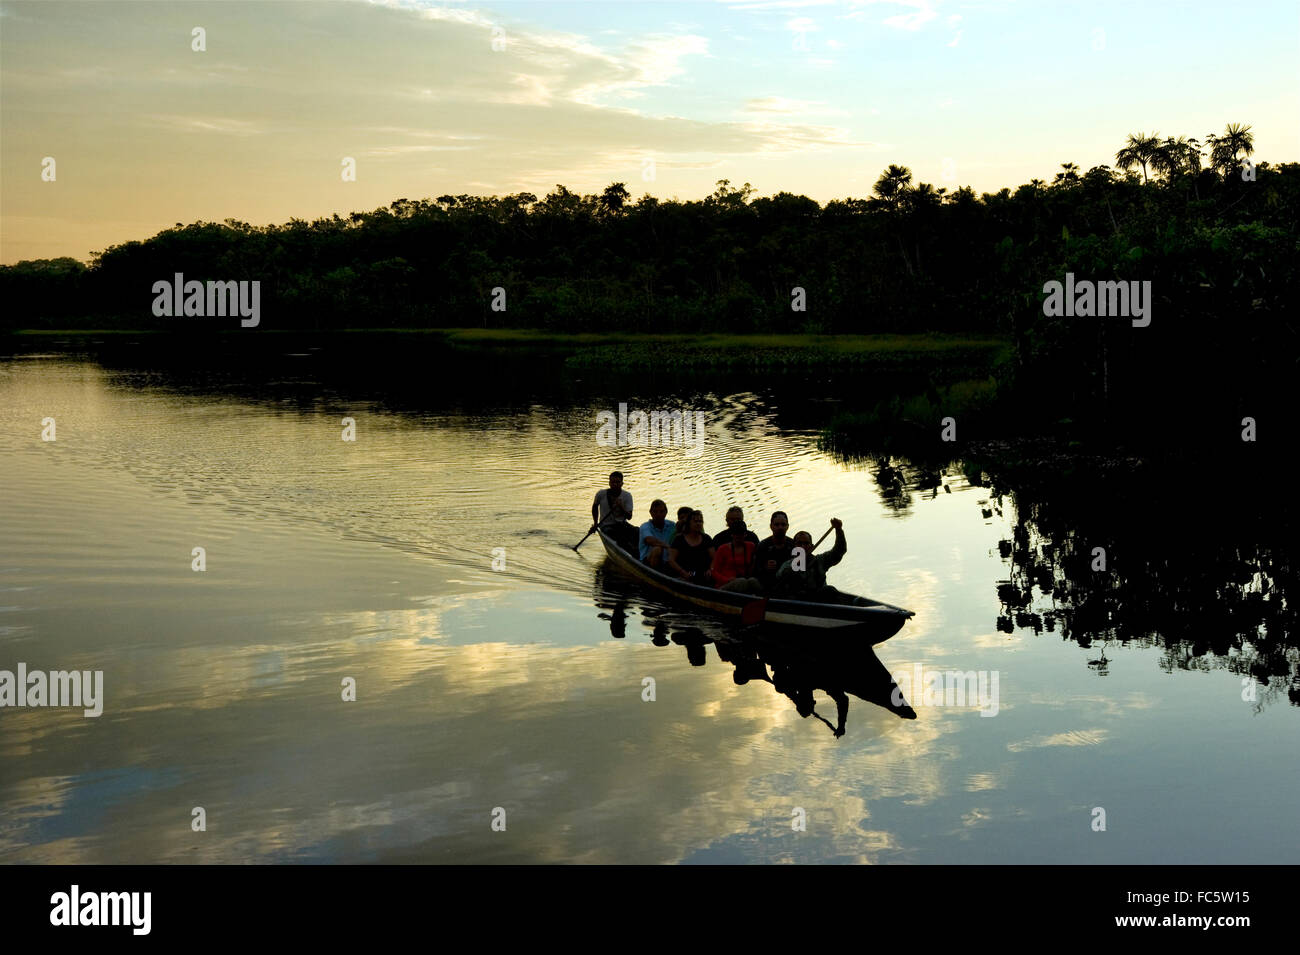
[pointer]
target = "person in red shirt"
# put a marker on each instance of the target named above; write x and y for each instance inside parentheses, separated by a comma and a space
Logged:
(735, 560)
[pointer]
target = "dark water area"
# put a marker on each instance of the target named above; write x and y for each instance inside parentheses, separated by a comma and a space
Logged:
(1130, 632)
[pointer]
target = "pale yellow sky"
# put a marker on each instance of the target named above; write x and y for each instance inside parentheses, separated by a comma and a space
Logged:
(811, 98)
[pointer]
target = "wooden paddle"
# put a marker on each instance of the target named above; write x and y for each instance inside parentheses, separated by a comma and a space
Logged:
(823, 537)
(612, 513)
(592, 531)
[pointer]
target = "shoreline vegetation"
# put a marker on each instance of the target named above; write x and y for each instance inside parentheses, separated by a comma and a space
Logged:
(953, 354)
(935, 297)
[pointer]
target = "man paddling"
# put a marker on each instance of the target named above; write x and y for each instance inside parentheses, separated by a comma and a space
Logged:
(611, 510)
(611, 498)
(803, 576)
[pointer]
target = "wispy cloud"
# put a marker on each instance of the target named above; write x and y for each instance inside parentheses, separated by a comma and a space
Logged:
(412, 149)
(208, 124)
(1090, 737)
(782, 105)
(922, 12)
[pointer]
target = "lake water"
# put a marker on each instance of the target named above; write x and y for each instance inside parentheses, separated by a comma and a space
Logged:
(522, 689)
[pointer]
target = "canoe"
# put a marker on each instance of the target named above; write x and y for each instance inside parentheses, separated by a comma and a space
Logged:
(877, 621)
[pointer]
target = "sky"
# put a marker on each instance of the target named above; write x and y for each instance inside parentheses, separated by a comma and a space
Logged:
(801, 96)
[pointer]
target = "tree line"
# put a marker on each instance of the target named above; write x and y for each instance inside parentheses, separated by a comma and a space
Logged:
(1214, 233)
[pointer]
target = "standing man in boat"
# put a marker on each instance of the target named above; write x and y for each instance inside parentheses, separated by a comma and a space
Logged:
(803, 576)
(611, 510)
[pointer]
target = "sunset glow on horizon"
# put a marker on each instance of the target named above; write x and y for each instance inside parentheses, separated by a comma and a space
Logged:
(808, 97)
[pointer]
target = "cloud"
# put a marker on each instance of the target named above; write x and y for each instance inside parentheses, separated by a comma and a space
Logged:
(922, 12)
(1092, 737)
(651, 61)
(209, 124)
(407, 149)
(781, 105)
(918, 18)
(776, 4)
(414, 91)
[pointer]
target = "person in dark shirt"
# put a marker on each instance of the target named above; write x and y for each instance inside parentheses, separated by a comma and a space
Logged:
(736, 516)
(683, 521)
(774, 551)
(691, 555)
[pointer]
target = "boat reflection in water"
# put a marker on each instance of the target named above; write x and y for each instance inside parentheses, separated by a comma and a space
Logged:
(795, 662)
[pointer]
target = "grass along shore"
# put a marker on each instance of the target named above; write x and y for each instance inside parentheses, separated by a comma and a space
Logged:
(956, 355)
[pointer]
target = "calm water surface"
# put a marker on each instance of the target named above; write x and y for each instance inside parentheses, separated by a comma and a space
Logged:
(522, 688)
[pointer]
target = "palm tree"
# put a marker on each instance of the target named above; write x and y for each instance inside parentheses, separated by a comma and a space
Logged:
(892, 184)
(1223, 149)
(1140, 150)
(922, 196)
(890, 189)
(614, 198)
(1069, 173)
(1177, 156)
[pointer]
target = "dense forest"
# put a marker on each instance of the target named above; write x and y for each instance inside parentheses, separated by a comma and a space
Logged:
(1214, 233)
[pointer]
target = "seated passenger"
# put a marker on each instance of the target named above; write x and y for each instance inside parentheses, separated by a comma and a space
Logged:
(691, 554)
(774, 551)
(683, 519)
(733, 562)
(736, 515)
(656, 534)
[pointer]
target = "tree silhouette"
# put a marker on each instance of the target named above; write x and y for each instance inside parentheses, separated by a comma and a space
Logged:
(1176, 156)
(906, 257)
(893, 184)
(1223, 149)
(614, 197)
(1140, 150)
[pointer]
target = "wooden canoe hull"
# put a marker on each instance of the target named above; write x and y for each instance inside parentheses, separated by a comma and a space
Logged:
(879, 620)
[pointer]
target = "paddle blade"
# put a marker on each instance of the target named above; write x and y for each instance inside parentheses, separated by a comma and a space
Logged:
(753, 612)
